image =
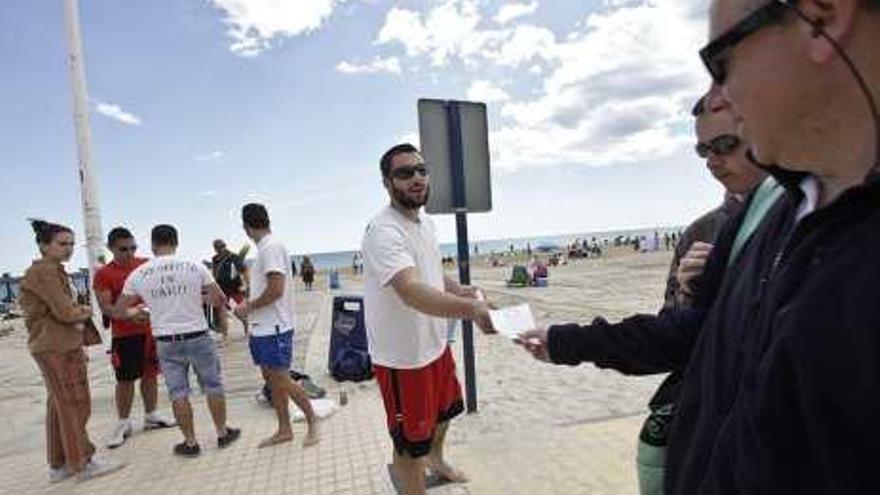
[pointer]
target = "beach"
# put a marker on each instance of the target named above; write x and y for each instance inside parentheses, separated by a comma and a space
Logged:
(539, 429)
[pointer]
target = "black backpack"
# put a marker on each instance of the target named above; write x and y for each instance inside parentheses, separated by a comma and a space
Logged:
(228, 273)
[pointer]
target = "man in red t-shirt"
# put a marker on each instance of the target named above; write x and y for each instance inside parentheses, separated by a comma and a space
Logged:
(133, 350)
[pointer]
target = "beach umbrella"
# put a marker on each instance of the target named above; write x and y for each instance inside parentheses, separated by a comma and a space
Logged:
(547, 248)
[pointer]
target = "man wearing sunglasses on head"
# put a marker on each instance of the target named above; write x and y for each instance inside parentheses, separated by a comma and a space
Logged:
(132, 348)
(407, 299)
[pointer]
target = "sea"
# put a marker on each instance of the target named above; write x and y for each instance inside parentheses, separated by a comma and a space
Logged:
(343, 259)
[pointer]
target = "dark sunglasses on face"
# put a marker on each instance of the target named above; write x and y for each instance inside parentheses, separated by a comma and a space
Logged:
(406, 173)
(716, 55)
(127, 249)
(719, 146)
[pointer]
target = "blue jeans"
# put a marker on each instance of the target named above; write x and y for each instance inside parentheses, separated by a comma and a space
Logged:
(175, 359)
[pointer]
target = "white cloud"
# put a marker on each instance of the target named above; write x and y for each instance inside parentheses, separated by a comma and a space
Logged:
(617, 92)
(615, 89)
(116, 112)
(210, 156)
(390, 65)
(449, 29)
(524, 44)
(621, 3)
(255, 24)
(487, 92)
(513, 11)
(405, 26)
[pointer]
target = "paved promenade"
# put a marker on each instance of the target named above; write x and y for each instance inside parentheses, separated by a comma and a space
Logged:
(541, 429)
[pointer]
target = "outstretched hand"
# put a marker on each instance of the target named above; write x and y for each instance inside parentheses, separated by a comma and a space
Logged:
(471, 292)
(140, 315)
(535, 343)
(241, 311)
(481, 316)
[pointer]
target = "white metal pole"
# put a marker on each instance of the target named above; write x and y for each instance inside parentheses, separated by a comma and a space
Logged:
(88, 185)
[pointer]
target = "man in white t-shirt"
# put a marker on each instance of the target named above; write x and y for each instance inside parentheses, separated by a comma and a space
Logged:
(271, 319)
(407, 300)
(173, 289)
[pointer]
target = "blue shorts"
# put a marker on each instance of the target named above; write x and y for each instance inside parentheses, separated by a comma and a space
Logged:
(175, 359)
(272, 351)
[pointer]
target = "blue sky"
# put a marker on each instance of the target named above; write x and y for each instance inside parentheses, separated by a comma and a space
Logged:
(199, 106)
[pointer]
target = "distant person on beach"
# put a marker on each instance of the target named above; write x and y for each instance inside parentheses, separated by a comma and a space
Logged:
(536, 269)
(173, 289)
(358, 263)
(56, 325)
(230, 272)
(307, 272)
(407, 300)
(271, 318)
(133, 348)
(626, 346)
(725, 155)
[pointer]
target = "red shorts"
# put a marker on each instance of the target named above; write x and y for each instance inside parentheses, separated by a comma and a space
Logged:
(416, 400)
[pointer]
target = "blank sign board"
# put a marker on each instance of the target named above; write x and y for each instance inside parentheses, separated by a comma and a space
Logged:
(434, 132)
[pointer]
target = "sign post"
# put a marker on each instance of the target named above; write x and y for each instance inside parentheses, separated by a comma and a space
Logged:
(454, 138)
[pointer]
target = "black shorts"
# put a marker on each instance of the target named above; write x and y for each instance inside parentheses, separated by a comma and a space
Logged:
(133, 357)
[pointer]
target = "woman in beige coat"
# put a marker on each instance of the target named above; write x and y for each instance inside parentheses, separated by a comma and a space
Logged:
(55, 324)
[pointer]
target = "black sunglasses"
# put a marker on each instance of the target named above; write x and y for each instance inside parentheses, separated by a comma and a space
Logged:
(406, 173)
(127, 249)
(716, 55)
(719, 146)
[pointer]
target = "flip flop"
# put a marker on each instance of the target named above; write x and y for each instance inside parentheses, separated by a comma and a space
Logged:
(273, 441)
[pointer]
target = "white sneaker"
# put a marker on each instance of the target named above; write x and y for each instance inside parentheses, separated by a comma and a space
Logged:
(57, 475)
(154, 420)
(98, 467)
(121, 431)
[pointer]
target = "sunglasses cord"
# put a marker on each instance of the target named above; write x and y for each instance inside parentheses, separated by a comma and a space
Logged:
(818, 30)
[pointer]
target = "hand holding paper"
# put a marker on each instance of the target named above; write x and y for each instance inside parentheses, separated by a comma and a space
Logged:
(512, 320)
(535, 343)
(481, 316)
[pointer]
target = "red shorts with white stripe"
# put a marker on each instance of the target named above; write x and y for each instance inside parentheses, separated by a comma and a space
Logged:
(416, 400)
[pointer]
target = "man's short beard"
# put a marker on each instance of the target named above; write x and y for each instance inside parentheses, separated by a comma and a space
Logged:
(408, 203)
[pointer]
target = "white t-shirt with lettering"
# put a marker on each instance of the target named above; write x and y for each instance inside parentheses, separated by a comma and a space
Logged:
(172, 289)
(272, 257)
(400, 336)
